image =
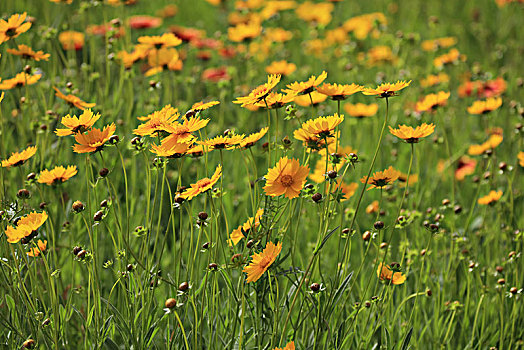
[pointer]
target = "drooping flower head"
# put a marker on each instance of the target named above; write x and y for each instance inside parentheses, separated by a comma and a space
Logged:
(94, 140)
(410, 135)
(19, 158)
(381, 178)
(238, 233)
(386, 89)
(73, 100)
(492, 142)
(26, 227)
(202, 185)
(286, 178)
(387, 273)
(36, 251)
(80, 124)
(260, 262)
(57, 175)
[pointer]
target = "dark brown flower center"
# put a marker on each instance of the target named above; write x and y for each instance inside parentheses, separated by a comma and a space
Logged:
(286, 180)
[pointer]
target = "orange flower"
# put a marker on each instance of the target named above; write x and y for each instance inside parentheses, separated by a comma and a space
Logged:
(305, 100)
(490, 198)
(286, 178)
(182, 132)
(260, 92)
(244, 31)
(144, 22)
(276, 100)
(26, 227)
(306, 87)
(202, 185)
(201, 106)
(73, 100)
(385, 273)
(35, 251)
(520, 157)
(281, 67)
(381, 178)
(466, 166)
(493, 141)
(13, 27)
(484, 107)
(323, 127)
(27, 53)
(94, 139)
(251, 223)
(410, 135)
(360, 110)
(435, 44)
(386, 89)
(222, 142)
(21, 79)
(76, 124)
(17, 159)
(71, 40)
(432, 101)
(432, 80)
(372, 208)
(346, 190)
(312, 12)
(158, 121)
(262, 261)
(338, 91)
(250, 140)
(58, 175)
(291, 344)
(171, 147)
(451, 57)
(157, 41)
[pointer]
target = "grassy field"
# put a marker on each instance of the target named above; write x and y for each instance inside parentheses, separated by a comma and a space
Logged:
(261, 174)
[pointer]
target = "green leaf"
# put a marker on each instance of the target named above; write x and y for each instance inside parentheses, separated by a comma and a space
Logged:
(407, 339)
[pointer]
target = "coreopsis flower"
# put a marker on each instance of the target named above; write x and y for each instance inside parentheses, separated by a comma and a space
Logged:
(36, 251)
(202, 106)
(381, 178)
(223, 142)
(71, 40)
(57, 175)
(410, 135)
(104, 29)
(275, 100)
(73, 100)
(281, 67)
(452, 56)
(19, 158)
(466, 166)
(286, 178)
(346, 191)
(162, 59)
(196, 151)
(278, 35)
(26, 227)
(314, 97)
(260, 262)
(158, 121)
(244, 31)
(379, 55)
(387, 89)
(484, 107)
(520, 157)
(435, 44)
(432, 80)
(165, 40)
(21, 79)
(320, 172)
(311, 141)
(171, 147)
(94, 140)
(339, 92)
(361, 110)
(492, 142)
(13, 27)
(362, 25)
(319, 13)
(260, 92)
(372, 208)
(144, 22)
(405, 181)
(386, 273)
(238, 233)
(490, 198)
(215, 75)
(183, 131)
(68, 2)
(250, 140)
(202, 185)
(432, 101)
(291, 344)
(80, 124)
(27, 53)
(323, 127)
(308, 86)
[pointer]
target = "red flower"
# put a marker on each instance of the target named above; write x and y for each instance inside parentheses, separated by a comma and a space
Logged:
(143, 22)
(216, 74)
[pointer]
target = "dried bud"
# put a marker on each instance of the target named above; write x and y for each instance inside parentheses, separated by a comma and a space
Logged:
(383, 245)
(28, 344)
(212, 266)
(114, 139)
(104, 203)
(81, 254)
(457, 209)
(317, 197)
(501, 281)
(170, 303)
(429, 292)
(250, 244)
(205, 246)
(78, 206)
(103, 172)
(183, 286)
(202, 215)
(130, 267)
(332, 174)
(315, 287)
(366, 236)
(31, 176)
(42, 205)
(446, 202)
(98, 216)
(513, 290)
(378, 225)
(23, 194)
(499, 269)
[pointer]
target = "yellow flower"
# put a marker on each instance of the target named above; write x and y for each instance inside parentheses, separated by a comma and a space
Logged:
(435, 44)
(262, 261)
(26, 227)
(432, 80)
(289, 346)
(281, 67)
(276, 100)
(410, 135)
(251, 223)
(163, 58)
(338, 91)
(79, 124)
(493, 141)
(73, 100)
(94, 139)
(250, 140)
(71, 40)
(17, 159)
(312, 12)
(484, 107)
(302, 88)
(244, 31)
(286, 178)
(361, 110)
(520, 157)
(347, 190)
(386, 89)
(27, 53)
(57, 175)
(35, 251)
(201, 106)
(305, 100)
(13, 27)
(381, 178)
(260, 92)
(202, 185)
(432, 101)
(490, 198)
(21, 79)
(451, 57)
(385, 273)
(323, 127)
(223, 142)
(158, 41)
(158, 121)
